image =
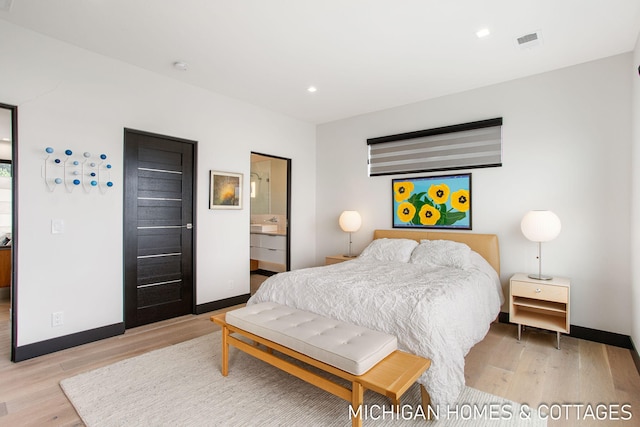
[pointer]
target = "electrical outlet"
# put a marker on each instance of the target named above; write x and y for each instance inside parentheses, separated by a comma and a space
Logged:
(57, 226)
(57, 319)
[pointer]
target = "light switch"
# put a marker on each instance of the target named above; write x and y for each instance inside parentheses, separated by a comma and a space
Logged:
(57, 226)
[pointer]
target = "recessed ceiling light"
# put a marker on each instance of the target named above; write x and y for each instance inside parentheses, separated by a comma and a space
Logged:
(5, 5)
(312, 89)
(483, 33)
(179, 65)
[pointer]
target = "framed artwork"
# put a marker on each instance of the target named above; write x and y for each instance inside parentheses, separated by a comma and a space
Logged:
(225, 190)
(432, 202)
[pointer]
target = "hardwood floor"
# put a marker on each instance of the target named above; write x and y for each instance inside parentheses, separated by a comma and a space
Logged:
(530, 371)
(533, 371)
(29, 391)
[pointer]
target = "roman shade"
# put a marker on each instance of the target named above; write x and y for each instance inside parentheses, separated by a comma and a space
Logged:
(469, 145)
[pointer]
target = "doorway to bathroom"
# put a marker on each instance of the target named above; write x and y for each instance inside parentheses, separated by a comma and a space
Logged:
(270, 228)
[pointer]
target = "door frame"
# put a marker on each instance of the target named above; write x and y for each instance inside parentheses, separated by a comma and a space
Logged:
(194, 221)
(288, 236)
(13, 294)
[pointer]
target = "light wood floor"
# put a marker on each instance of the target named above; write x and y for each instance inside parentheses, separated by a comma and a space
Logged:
(533, 371)
(530, 371)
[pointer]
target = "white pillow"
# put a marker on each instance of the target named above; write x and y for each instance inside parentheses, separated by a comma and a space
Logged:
(389, 249)
(442, 253)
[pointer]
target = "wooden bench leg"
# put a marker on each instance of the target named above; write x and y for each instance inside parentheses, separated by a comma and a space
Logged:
(357, 400)
(225, 351)
(426, 401)
(395, 403)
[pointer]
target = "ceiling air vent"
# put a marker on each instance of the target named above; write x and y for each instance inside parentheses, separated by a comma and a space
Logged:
(529, 40)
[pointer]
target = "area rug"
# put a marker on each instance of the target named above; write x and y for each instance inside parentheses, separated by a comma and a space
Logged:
(181, 385)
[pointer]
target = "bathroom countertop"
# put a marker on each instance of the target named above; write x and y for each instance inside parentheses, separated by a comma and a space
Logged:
(270, 233)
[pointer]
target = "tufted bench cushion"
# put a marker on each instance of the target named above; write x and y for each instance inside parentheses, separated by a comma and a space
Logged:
(351, 348)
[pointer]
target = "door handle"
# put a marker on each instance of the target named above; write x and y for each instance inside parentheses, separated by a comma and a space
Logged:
(189, 226)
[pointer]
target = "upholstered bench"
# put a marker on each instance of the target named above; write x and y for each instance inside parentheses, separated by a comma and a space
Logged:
(367, 359)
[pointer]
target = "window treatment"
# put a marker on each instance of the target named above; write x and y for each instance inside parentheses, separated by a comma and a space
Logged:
(464, 146)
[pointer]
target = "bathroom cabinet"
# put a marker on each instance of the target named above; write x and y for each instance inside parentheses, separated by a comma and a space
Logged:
(269, 247)
(5, 266)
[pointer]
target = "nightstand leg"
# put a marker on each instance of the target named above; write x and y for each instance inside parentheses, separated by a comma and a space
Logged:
(519, 330)
(558, 340)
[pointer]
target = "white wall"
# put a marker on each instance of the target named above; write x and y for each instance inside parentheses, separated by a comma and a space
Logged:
(566, 147)
(635, 195)
(70, 98)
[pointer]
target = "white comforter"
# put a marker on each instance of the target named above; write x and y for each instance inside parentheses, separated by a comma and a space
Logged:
(436, 312)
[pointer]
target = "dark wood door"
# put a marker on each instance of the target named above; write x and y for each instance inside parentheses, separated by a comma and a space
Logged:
(158, 227)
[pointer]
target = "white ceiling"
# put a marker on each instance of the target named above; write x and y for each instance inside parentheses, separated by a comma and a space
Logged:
(362, 55)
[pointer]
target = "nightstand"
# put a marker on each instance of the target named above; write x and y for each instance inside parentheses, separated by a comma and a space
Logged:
(540, 303)
(335, 259)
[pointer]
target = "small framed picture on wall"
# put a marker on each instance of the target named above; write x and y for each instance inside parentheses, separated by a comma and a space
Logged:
(225, 190)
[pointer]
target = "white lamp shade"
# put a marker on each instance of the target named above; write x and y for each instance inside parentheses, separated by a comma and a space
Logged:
(540, 226)
(350, 221)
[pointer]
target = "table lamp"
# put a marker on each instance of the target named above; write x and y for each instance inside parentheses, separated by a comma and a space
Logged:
(540, 226)
(350, 222)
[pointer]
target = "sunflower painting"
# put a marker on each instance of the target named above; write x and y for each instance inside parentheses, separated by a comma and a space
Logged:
(432, 202)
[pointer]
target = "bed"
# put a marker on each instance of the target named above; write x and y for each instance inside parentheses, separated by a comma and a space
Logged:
(436, 292)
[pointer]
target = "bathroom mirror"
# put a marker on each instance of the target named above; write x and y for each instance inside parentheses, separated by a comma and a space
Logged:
(268, 185)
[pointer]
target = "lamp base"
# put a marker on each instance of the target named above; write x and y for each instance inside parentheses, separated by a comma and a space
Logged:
(539, 277)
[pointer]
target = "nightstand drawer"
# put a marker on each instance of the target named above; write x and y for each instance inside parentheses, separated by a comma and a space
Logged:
(540, 291)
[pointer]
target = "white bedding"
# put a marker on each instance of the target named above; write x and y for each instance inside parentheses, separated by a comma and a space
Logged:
(436, 312)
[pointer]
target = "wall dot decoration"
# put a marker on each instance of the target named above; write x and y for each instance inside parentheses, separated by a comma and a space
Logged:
(70, 172)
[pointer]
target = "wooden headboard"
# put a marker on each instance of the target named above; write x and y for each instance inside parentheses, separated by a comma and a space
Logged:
(485, 244)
